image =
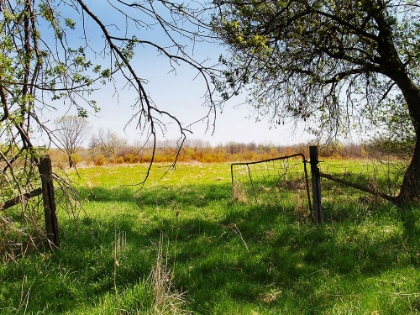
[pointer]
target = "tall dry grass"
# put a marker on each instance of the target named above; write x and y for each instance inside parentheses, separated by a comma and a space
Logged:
(166, 299)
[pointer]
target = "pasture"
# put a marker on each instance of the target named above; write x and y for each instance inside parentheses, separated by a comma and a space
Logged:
(183, 245)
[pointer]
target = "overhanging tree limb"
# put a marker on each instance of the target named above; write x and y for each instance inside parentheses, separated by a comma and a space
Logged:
(45, 65)
(330, 63)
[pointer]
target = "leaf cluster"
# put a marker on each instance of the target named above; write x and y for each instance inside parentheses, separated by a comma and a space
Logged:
(333, 64)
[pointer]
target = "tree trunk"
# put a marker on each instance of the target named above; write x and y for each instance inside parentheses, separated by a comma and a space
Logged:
(70, 161)
(410, 188)
(392, 66)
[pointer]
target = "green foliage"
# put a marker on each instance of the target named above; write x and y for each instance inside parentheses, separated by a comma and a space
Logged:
(335, 65)
(21, 226)
(299, 58)
(400, 149)
(35, 67)
(396, 136)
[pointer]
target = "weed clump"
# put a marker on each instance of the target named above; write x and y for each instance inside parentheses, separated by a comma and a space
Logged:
(166, 300)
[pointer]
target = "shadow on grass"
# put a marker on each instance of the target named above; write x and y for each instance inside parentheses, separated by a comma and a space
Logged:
(255, 255)
(192, 195)
(260, 251)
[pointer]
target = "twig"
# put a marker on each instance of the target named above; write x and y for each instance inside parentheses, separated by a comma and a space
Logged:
(24, 298)
(237, 232)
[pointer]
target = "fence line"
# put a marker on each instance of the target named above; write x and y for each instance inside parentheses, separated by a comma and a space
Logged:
(315, 207)
(357, 186)
(248, 171)
(316, 184)
(15, 201)
(51, 225)
(47, 192)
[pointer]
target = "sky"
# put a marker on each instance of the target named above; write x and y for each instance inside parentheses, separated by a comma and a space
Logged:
(179, 93)
(182, 96)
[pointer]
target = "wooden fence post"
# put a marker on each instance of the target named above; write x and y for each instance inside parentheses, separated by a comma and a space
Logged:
(316, 184)
(51, 225)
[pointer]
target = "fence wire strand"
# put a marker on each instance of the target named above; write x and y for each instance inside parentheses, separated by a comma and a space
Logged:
(281, 182)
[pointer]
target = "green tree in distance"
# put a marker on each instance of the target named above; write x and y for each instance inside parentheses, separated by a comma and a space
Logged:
(334, 64)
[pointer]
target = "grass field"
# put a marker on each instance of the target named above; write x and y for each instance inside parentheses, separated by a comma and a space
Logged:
(183, 245)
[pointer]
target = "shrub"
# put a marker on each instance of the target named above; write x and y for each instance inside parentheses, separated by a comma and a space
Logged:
(129, 158)
(76, 158)
(119, 160)
(58, 158)
(99, 160)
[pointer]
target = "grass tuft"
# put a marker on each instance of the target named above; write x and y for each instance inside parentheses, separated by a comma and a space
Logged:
(166, 299)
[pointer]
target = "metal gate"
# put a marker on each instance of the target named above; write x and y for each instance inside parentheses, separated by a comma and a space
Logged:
(282, 180)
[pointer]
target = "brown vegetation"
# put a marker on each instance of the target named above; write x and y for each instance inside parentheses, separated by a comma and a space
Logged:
(199, 151)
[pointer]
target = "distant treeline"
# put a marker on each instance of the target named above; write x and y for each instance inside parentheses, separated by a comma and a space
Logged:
(200, 151)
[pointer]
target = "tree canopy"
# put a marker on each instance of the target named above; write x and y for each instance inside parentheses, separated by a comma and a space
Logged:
(336, 64)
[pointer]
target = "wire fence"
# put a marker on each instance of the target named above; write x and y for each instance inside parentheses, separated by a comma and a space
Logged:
(281, 182)
(359, 187)
(28, 220)
(343, 184)
(384, 176)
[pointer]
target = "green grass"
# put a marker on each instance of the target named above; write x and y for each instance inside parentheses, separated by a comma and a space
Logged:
(226, 257)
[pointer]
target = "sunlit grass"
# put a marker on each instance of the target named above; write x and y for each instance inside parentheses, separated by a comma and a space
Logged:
(222, 256)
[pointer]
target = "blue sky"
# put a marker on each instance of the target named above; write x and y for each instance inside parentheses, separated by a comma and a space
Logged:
(180, 94)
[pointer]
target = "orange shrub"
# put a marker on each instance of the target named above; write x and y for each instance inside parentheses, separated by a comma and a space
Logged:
(76, 158)
(128, 158)
(58, 158)
(119, 160)
(99, 160)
